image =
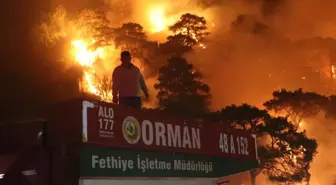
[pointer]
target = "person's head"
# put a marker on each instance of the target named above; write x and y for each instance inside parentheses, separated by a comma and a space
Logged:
(125, 57)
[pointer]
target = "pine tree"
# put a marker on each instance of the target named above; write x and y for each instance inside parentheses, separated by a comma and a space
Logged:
(181, 91)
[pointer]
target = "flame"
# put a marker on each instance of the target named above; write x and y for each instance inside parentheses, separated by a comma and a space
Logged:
(83, 55)
(202, 46)
(158, 19)
(97, 63)
(333, 72)
(86, 58)
(91, 85)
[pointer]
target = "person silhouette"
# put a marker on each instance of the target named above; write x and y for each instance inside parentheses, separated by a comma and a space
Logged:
(127, 83)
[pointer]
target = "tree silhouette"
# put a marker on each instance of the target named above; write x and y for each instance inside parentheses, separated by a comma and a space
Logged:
(297, 104)
(93, 24)
(189, 30)
(287, 156)
(132, 31)
(285, 153)
(182, 39)
(131, 36)
(173, 48)
(181, 91)
(245, 116)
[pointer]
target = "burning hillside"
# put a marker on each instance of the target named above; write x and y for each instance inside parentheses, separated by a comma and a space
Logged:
(96, 45)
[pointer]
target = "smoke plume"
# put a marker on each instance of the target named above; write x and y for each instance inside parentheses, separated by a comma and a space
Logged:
(262, 46)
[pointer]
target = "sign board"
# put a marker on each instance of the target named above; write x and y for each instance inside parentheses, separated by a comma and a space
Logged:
(146, 181)
(115, 126)
(102, 162)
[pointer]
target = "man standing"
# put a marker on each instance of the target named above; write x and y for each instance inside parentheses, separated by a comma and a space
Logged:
(128, 83)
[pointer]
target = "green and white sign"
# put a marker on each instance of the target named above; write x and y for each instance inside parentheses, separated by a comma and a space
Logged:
(103, 162)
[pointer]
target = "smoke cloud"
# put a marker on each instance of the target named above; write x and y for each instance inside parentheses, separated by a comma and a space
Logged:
(254, 52)
(323, 166)
(261, 47)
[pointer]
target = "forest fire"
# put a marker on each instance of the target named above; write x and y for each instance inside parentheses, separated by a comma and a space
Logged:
(95, 47)
(86, 58)
(254, 50)
(87, 49)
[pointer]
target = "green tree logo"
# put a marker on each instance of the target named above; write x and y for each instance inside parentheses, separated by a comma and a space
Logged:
(131, 130)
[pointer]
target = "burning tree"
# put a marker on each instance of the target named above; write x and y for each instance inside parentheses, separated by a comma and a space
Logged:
(95, 46)
(189, 30)
(91, 24)
(104, 84)
(90, 41)
(285, 153)
(244, 117)
(181, 91)
(286, 158)
(52, 29)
